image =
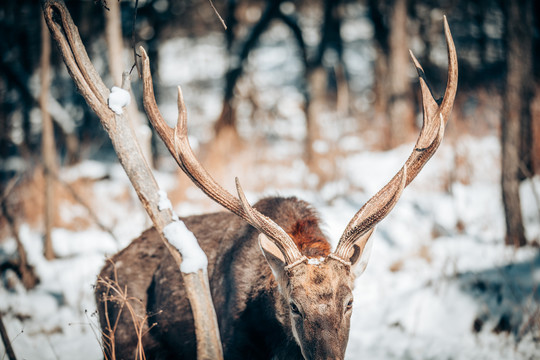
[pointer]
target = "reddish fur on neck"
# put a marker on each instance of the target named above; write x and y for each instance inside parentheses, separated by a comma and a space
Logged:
(309, 239)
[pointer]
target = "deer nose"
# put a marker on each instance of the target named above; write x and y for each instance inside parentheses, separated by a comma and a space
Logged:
(328, 346)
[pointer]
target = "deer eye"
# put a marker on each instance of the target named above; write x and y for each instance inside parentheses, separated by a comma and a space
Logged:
(349, 305)
(294, 309)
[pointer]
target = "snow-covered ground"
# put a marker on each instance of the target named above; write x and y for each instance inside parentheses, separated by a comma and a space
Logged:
(438, 265)
(440, 283)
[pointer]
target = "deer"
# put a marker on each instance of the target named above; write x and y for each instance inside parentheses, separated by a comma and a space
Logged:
(279, 290)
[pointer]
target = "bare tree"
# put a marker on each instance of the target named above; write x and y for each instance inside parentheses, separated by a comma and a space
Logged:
(400, 110)
(516, 115)
(91, 86)
(226, 122)
(393, 97)
(47, 140)
(318, 87)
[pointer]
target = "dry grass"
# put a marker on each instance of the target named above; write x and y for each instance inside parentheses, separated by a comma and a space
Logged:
(116, 293)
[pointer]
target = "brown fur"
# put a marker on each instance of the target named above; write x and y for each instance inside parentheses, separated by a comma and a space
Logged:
(308, 238)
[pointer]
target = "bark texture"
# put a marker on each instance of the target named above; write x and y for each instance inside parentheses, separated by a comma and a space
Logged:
(516, 115)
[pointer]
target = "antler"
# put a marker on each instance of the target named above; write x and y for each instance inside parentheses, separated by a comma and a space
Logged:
(435, 118)
(176, 141)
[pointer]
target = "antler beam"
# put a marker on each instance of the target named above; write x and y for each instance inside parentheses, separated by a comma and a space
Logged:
(435, 119)
(176, 141)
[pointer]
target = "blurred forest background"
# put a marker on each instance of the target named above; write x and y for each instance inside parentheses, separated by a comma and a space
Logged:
(331, 73)
(345, 57)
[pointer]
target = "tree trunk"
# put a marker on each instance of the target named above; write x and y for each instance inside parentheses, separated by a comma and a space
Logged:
(226, 122)
(317, 105)
(400, 111)
(516, 114)
(535, 114)
(115, 50)
(47, 140)
(91, 86)
(393, 109)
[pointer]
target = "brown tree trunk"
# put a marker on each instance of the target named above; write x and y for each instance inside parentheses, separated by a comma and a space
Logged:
(400, 110)
(379, 91)
(516, 114)
(317, 105)
(535, 114)
(47, 140)
(393, 109)
(226, 122)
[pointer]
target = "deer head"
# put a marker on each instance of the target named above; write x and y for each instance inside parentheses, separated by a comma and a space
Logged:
(316, 292)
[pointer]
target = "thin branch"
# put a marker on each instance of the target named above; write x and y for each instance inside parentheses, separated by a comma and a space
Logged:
(217, 14)
(82, 202)
(26, 271)
(5, 339)
(133, 44)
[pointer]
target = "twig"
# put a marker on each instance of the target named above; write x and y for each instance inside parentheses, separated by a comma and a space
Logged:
(5, 339)
(120, 296)
(93, 327)
(217, 13)
(81, 201)
(10, 185)
(26, 271)
(135, 55)
(52, 347)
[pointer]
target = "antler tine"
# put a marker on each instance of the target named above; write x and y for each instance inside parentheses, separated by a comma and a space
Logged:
(451, 86)
(271, 229)
(176, 141)
(435, 118)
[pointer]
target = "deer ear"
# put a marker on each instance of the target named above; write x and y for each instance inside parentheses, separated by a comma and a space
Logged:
(273, 256)
(359, 256)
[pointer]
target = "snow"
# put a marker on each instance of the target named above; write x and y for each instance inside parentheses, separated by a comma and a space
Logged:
(165, 204)
(193, 258)
(315, 261)
(438, 262)
(118, 98)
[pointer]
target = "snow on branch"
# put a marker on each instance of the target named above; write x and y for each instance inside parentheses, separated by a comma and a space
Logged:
(193, 258)
(118, 98)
